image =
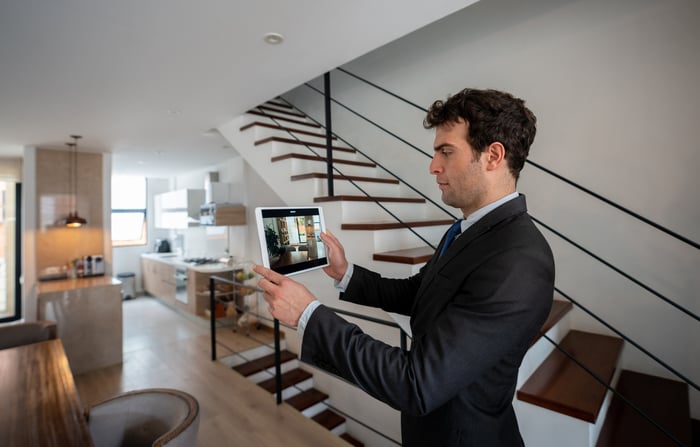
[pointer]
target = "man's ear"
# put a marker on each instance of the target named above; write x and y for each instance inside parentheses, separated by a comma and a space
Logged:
(495, 156)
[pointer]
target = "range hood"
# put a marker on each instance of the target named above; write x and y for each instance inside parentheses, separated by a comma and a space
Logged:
(218, 210)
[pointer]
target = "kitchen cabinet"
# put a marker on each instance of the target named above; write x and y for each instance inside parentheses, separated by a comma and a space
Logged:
(159, 279)
(178, 209)
(198, 289)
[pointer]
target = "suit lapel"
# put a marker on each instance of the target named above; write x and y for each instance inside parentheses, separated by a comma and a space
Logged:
(459, 247)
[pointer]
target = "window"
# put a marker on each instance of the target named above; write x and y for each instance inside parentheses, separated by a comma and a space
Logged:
(128, 211)
(10, 251)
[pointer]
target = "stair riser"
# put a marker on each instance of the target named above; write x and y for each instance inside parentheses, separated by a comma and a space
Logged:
(363, 212)
(265, 132)
(340, 429)
(246, 356)
(281, 120)
(542, 427)
(315, 409)
(280, 148)
(359, 243)
(319, 187)
(297, 388)
(297, 166)
(270, 372)
(542, 348)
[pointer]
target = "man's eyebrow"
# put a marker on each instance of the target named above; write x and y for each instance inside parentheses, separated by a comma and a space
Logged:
(442, 146)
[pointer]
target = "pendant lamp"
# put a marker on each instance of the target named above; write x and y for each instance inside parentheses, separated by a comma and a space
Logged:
(74, 220)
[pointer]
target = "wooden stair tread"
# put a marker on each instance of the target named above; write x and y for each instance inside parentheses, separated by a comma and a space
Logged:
(351, 440)
(302, 143)
(283, 118)
(394, 225)
(323, 159)
(556, 313)
(306, 399)
(329, 419)
(349, 198)
(406, 256)
(355, 178)
(289, 111)
(289, 378)
(665, 401)
(561, 385)
(284, 128)
(262, 363)
(279, 104)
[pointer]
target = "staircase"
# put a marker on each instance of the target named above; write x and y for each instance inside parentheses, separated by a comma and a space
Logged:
(298, 389)
(557, 402)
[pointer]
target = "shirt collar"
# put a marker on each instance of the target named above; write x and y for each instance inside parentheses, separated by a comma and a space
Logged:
(481, 212)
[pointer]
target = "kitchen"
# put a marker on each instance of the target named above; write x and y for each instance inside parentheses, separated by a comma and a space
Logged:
(200, 229)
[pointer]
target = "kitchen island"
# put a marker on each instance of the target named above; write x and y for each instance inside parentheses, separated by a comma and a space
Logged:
(88, 316)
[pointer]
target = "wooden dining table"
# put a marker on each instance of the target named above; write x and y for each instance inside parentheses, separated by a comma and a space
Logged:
(40, 405)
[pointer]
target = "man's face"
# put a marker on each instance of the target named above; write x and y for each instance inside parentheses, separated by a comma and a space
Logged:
(460, 176)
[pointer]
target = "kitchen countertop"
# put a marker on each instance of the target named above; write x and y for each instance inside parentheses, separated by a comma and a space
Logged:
(61, 285)
(178, 261)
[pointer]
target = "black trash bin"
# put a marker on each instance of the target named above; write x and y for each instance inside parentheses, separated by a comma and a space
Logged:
(128, 280)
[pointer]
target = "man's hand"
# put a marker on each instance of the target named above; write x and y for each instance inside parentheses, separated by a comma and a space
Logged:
(335, 252)
(286, 298)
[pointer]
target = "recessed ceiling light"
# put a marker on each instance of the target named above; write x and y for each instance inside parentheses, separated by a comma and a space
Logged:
(273, 38)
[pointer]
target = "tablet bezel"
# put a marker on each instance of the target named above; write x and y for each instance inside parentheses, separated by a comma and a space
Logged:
(263, 212)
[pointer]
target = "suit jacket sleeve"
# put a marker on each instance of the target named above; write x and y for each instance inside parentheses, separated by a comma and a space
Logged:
(474, 324)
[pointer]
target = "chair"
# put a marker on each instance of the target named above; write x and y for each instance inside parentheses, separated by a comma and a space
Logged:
(19, 334)
(150, 417)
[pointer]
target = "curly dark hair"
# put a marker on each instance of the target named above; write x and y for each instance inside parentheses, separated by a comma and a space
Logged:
(492, 116)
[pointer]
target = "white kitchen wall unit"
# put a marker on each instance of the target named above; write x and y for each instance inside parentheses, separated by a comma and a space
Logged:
(178, 209)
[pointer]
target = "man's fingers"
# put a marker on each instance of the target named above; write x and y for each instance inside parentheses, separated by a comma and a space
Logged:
(270, 275)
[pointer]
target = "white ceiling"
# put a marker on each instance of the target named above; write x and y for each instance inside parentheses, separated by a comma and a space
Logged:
(145, 79)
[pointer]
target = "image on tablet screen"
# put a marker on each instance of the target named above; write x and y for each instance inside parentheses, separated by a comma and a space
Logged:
(292, 239)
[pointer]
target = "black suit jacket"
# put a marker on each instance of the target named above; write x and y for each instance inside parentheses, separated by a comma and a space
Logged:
(474, 312)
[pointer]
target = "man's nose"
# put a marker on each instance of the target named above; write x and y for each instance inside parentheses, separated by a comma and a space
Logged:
(434, 166)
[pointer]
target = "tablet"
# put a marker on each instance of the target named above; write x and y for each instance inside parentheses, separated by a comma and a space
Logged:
(290, 238)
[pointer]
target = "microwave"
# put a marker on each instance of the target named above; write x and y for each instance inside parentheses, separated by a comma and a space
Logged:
(222, 214)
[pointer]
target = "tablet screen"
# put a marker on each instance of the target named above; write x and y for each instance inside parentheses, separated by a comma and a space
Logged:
(290, 238)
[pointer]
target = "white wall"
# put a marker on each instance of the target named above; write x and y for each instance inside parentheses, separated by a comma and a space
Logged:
(614, 87)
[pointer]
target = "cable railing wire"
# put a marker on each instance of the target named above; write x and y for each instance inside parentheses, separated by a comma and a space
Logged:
(629, 277)
(411, 187)
(621, 272)
(615, 205)
(597, 378)
(598, 258)
(629, 340)
(394, 216)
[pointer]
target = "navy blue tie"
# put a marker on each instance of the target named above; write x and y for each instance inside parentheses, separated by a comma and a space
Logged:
(452, 233)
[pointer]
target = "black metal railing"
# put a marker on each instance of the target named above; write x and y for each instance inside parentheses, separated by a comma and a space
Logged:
(569, 240)
(403, 338)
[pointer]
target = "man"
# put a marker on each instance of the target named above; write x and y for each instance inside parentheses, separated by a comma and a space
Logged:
(474, 309)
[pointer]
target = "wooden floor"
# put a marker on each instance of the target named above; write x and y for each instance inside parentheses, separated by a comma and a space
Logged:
(163, 348)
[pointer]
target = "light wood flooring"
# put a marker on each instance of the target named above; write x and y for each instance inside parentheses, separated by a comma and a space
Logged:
(164, 349)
